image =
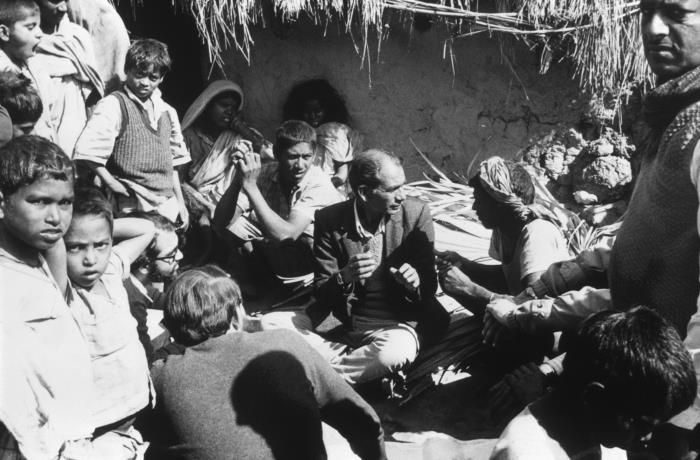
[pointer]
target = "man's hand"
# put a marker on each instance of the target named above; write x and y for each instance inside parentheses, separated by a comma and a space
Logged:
(495, 334)
(454, 282)
(407, 276)
(447, 259)
(516, 390)
(249, 169)
(499, 308)
(359, 267)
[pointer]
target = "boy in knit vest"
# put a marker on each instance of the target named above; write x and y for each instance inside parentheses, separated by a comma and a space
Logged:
(133, 138)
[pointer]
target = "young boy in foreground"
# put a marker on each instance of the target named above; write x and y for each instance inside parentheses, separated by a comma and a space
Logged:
(97, 269)
(624, 373)
(46, 385)
(133, 138)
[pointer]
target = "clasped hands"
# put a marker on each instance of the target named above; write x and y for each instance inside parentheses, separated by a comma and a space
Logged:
(361, 266)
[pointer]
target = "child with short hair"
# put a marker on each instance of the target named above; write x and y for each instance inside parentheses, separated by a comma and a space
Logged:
(133, 138)
(146, 283)
(96, 269)
(624, 373)
(20, 33)
(47, 381)
(22, 101)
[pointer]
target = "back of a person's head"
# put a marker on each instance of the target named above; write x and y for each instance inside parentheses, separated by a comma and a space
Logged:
(318, 89)
(19, 97)
(365, 167)
(90, 201)
(639, 360)
(201, 304)
(146, 54)
(26, 159)
(12, 11)
(291, 133)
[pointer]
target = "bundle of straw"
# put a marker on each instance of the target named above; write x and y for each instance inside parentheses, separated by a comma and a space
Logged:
(601, 37)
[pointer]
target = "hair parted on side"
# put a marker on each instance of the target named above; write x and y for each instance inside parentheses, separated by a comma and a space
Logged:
(364, 168)
(148, 53)
(12, 11)
(19, 96)
(90, 201)
(200, 304)
(291, 133)
(638, 357)
(26, 159)
(318, 89)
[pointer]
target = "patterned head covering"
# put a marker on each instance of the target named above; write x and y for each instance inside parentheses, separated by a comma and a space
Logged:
(496, 179)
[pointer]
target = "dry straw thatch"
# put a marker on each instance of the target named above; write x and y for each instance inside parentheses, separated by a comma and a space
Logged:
(600, 37)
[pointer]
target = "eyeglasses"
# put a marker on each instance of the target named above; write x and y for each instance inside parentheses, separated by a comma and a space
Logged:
(170, 258)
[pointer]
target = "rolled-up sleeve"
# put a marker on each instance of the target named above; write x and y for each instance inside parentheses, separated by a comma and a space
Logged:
(96, 142)
(178, 147)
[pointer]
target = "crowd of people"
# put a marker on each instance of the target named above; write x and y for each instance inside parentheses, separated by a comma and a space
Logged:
(111, 350)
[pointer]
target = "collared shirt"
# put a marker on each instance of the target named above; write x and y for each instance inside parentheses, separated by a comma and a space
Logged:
(96, 142)
(46, 388)
(314, 192)
(361, 230)
(121, 376)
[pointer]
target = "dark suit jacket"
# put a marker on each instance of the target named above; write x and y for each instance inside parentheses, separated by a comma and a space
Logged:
(408, 239)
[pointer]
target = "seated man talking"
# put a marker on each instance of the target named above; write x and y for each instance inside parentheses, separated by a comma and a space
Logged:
(375, 271)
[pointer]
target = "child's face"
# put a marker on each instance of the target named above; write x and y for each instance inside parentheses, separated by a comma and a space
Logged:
(166, 262)
(88, 247)
(20, 39)
(222, 109)
(143, 83)
(39, 214)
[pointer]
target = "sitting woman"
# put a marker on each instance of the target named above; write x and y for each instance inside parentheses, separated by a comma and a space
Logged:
(212, 131)
(527, 237)
(320, 105)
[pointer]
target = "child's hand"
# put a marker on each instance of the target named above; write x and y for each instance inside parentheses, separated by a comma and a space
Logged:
(118, 188)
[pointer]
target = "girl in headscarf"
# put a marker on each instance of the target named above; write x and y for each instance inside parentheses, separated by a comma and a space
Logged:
(527, 236)
(213, 143)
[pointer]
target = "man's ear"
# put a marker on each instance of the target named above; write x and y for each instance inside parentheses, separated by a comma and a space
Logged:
(4, 33)
(363, 193)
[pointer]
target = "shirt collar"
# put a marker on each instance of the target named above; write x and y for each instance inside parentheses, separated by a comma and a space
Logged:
(155, 98)
(361, 230)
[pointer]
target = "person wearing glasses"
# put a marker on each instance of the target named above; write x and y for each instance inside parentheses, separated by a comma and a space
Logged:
(154, 268)
(375, 272)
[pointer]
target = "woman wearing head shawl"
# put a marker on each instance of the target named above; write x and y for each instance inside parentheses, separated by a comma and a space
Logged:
(212, 143)
(528, 236)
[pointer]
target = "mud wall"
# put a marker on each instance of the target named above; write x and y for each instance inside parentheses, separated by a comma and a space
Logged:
(487, 106)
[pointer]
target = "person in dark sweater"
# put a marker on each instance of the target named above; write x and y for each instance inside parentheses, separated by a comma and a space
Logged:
(224, 393)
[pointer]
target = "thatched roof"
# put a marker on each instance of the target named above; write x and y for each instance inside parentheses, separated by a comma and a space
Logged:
(601, 37)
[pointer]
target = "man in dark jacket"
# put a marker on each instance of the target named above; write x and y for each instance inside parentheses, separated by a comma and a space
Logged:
(375, 272)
